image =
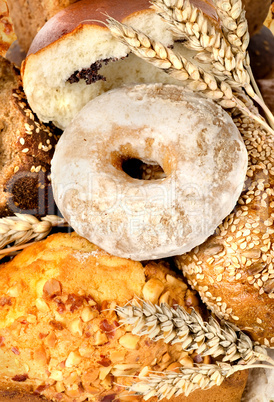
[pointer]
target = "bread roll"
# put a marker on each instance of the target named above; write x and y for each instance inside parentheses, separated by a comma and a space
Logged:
(75, 58)
(59, 333)
(29, 17)
(233, 270)
(26, 149)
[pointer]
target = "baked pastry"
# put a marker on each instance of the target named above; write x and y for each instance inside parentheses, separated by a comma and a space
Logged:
(233, 270)
(26, 149)
(68, 81)
(194, 141)
(29, 17)
(76, 75)
(59, 332)
(7, 35)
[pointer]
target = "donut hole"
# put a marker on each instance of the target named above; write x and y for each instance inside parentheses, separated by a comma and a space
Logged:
(138, 169)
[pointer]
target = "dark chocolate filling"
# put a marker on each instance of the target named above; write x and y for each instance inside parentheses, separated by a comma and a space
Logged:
(91, 74)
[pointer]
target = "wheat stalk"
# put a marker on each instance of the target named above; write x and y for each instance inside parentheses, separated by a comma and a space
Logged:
(168, 384)
(22, 228)
(235, 28)
(225, 49)
(176, 325)
(180, 68)
(189, 23)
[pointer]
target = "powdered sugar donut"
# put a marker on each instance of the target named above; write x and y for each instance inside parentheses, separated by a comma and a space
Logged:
(193, 140)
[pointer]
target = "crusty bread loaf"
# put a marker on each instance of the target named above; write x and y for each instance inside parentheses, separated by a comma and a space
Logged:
(29, 16)
(26, 149)
(59, 332)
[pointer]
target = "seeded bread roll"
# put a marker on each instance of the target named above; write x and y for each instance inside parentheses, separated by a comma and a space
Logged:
(59, 332)
(233, 270)
(26, 149)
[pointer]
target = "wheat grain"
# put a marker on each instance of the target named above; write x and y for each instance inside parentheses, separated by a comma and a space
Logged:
(180, 67)
(225, 49)
(22, 228)
(234, 24)
(168, 384)
(203, 36)
(176, 325)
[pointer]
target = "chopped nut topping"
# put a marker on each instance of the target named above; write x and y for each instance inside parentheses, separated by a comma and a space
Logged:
(104, 362)
(75, 326)
(52, 288)
(152, 290)
(73, 359)
(56, 325)
(42, 305)
(56, 375)
(75, 301)
(5, 301)
(20, 377)
(100, 338)
(15, 350)
(87, 314)
(175, 282)
(129, 341)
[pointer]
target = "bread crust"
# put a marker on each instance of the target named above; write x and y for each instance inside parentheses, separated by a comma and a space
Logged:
(29, 17)
(230, 390)
(27, 147)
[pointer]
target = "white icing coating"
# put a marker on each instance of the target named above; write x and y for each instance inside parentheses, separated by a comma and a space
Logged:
(191, 138)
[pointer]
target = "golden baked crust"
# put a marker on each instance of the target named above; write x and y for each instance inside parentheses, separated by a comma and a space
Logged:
(29, 16)
(26, 149)
(59, 334)
(7, 35)
(233, 270)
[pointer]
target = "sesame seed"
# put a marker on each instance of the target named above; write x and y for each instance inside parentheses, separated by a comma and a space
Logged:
(22, 141)
(266, 342)
(16, 169)
(25, 150)
(219, 278)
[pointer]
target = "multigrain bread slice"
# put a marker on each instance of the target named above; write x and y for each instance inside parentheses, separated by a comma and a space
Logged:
(26, 149)
(60, 335)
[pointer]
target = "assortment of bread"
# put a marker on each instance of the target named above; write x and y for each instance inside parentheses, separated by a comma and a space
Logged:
(145, 170)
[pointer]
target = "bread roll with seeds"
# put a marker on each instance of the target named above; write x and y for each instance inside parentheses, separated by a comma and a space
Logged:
(26, 150)
(59, 333)
(234, 269)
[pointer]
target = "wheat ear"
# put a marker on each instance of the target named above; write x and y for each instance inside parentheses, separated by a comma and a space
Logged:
(22, 228)
(176, 325)
(235, 28)
(168, 384)
(180, 68)
(225, 49)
